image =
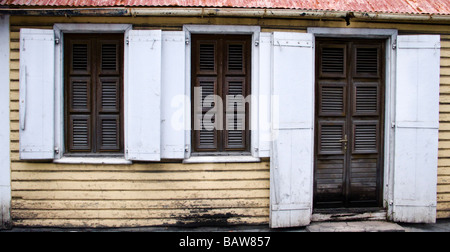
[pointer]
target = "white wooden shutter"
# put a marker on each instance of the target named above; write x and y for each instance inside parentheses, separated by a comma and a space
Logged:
(143, 95)
(417, 124)
(173, 99)
(291, 184)
(36, 101)
(264, 108)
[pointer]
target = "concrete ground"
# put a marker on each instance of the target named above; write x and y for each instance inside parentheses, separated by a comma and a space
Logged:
(442, 225)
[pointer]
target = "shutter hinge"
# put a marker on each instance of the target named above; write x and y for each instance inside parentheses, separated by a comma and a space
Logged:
(187, 41)
(127, 41)
(394, 45)
(57, 41)
(393, 125)
(186, 148)
(257, 43)
(56, 150)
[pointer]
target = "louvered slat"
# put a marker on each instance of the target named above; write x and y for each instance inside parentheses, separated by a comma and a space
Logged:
(235, 131)
(207, 57)
(235, 57)
(332, 100)
(80, 57)
(330, 136)
(366, 99)
(80, 132)
(109, 95)
(80, 95)
(207, 137)
(365, 138)
(367, 60)
(109, 132)
(109, 57)
(208, 88)
(235, 95)
(333, 60)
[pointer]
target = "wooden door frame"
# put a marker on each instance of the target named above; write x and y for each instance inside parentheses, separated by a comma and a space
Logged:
(390, 35)
(348, 117)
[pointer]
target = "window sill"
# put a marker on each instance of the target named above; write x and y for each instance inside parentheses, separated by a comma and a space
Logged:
(221, 159)
(93, 160)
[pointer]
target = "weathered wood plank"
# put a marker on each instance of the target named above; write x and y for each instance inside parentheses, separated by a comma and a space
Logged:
(141, 195)
(443, 214)
(138, 176)
(139, 204)
(136, 214)
(157, 167)
(133, 222)
(137, 185)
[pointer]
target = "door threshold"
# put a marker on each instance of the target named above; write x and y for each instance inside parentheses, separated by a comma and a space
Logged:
(349, 214)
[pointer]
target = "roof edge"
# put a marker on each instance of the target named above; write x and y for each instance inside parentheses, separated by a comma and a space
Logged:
(222, 12)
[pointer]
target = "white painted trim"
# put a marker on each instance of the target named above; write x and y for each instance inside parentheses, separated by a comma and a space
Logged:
(93, 160)
(227, 29)
(5, 170)
(221, 159)
(59, 30)
(391, 55)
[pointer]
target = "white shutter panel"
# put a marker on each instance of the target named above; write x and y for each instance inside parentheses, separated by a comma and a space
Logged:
(173, 97)
(265, 72)
(36, 101)
(417, 124)
(291, 184)
(142, 96)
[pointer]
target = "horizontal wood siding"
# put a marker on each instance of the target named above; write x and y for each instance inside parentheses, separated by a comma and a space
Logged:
(139, 195)
(149, 194)
(443, 188)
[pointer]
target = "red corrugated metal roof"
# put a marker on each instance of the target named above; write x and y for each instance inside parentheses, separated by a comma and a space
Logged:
(384, 6)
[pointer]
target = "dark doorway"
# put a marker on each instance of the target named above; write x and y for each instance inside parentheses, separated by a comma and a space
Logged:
(349, 119)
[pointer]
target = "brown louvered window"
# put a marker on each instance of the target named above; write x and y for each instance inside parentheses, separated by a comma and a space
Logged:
(221, 68)
(93, 93)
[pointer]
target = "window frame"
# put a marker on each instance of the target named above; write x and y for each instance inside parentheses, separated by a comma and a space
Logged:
(94, 75)
(59, 30)
(254, 154)
(222, 78)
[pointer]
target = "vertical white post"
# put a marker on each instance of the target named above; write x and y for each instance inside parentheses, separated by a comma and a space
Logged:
(5, 174)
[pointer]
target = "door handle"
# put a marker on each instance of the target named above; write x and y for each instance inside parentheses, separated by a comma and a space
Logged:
(345, 141)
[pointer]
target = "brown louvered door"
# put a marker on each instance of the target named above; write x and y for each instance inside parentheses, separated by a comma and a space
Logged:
(349, 123)
(93, 93)
(221, 67)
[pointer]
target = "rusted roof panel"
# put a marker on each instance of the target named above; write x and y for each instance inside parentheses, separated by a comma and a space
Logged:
(384, 6)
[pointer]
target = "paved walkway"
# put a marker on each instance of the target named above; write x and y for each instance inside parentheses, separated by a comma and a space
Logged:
(442, 225)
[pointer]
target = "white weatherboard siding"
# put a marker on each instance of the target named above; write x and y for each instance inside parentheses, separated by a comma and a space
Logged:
(5, 175)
